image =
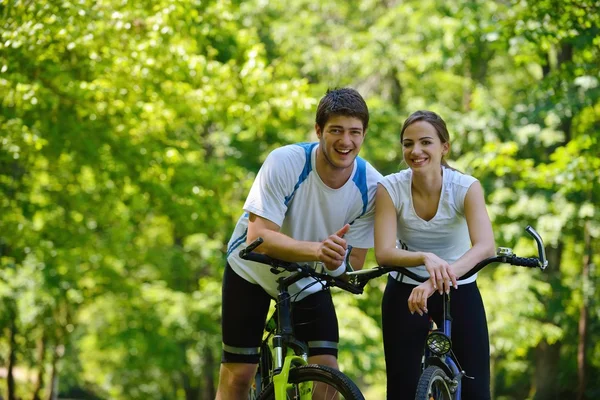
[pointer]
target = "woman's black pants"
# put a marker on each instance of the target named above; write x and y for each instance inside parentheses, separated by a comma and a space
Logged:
(404, 339)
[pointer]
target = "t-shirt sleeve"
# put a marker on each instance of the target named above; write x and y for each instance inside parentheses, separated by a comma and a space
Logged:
(464, 182)
(392, 186)
(267, 197)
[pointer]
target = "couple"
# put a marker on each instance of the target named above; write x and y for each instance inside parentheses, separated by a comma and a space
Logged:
(311, 200)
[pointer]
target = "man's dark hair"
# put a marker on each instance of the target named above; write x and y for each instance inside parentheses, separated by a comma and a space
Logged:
(345, 102)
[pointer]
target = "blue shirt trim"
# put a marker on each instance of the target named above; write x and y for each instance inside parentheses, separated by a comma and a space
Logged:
(236, 243)
(360, 180)
(308, 147)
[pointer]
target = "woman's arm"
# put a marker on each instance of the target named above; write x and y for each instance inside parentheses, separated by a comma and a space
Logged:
(386, 219)
(357, 258)
(480, 231)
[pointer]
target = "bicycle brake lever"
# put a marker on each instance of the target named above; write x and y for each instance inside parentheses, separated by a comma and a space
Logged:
(464, 375)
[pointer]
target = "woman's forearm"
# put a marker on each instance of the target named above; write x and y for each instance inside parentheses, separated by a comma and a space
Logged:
(397, 257)
(472, 257)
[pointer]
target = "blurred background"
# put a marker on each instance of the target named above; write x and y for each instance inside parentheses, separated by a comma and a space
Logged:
(130, 133)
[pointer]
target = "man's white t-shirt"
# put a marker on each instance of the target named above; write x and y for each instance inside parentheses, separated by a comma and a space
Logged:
(446, 235)
(289, 192)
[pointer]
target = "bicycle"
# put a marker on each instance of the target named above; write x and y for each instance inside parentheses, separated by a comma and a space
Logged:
(441, 374)
(285, 373)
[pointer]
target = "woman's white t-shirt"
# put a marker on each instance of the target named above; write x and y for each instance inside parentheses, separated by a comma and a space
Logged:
(446, 235)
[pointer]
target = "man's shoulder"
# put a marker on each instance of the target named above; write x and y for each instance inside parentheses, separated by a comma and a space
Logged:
(371, 173)
(293, 153)
(295, 148)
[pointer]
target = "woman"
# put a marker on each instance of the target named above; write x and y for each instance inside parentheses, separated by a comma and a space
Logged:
(433, 218)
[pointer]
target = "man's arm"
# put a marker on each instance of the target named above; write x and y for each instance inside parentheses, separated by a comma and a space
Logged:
(331, 251)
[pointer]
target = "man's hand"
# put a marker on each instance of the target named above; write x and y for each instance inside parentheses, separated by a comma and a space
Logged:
(333, 249)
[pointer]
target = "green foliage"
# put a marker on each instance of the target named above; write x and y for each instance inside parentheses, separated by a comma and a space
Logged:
(130, 134)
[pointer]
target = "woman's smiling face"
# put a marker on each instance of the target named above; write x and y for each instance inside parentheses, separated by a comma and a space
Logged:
(422, 147)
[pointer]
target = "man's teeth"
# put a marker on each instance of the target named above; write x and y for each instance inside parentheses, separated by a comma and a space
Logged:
(344, 151)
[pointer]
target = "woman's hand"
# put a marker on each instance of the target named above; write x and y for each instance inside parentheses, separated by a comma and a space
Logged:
(441, 275)
(417, 301)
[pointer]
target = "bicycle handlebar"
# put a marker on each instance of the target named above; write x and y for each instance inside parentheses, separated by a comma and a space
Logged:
(503, 255)
(300, 270)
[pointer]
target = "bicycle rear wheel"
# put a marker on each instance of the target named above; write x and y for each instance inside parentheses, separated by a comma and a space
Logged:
(327, 384)
(433, 385)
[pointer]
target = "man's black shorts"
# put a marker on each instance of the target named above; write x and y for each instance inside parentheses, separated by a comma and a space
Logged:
(244, 313)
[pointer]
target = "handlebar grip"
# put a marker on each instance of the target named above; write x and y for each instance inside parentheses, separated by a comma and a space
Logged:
(251, 247)
(256, 257)
(526, 262)
(349, 287)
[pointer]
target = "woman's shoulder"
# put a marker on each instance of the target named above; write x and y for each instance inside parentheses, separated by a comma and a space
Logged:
(397, 177)
(457, 178)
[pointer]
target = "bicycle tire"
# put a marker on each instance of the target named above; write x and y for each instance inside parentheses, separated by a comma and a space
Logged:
(319, 374)
(433, 385)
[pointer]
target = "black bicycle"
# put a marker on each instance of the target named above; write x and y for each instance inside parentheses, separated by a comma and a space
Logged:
(284, 372)
(441, 373)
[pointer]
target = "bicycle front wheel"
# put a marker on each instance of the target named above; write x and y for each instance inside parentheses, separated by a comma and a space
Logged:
(327, 384)
(433, 385)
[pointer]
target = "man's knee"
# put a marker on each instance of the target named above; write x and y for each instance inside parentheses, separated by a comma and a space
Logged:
(235, 377)
(324, 359)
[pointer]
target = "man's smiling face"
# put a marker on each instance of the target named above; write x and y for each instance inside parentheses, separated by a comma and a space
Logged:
(340, 140)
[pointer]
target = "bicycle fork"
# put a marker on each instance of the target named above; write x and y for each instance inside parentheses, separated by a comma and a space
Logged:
(288, 352)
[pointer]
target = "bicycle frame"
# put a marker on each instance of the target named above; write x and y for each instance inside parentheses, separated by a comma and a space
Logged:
(289, 354)
(296, 352)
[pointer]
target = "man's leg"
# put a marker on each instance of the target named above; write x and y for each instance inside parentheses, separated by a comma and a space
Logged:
(235, 380)
(244, 311)
(324, 359)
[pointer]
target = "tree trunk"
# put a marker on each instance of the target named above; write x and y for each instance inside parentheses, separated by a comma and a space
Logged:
(53, 389)
(39, 384)
(547, 355)
(546, 371)
(192, 392)
(583, 315)
(209, 390)
(493, 362)
(12, 356)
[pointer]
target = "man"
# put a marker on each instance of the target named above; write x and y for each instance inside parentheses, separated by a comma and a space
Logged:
(309, 202)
